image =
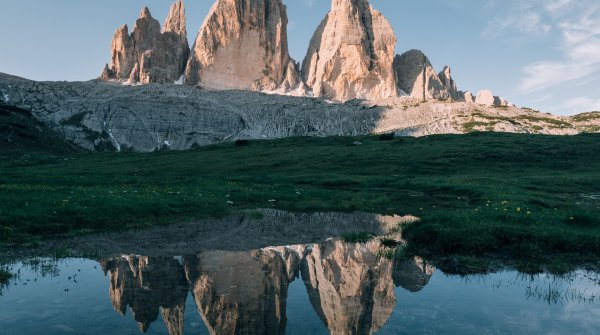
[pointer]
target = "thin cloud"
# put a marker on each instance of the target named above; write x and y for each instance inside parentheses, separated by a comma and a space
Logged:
(580, 47)
(579, 105)
(521, 17)
(555, 6)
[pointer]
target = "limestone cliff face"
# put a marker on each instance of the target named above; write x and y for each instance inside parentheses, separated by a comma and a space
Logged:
(149, 55)
(241, 292)
(243, 45)
(417, 77)
(350, 286)
(351, 54)
(147, 286)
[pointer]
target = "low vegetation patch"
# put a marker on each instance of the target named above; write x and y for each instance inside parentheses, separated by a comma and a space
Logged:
(518, 233)
(387, 137)
(585, 117)
(389, 242)
(471, 125)
(357, 237)
(530, 109)
(5, 277)
(496, 118)
(540, 119)
(590, 129)
(241, 143)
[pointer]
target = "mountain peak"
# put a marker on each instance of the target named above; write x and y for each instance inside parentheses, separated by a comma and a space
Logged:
(176, 21)
(351, 54)
(243, 45)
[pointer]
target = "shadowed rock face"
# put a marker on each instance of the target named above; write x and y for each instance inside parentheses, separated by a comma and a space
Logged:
(417, 78)
(350, 286)
(351, 54)
(149, 286)
(21, 132)
(148, 55)
(243, 45)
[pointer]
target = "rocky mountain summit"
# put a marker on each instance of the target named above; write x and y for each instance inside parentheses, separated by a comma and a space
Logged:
(243, 44)
(351, 54)
(149, 55)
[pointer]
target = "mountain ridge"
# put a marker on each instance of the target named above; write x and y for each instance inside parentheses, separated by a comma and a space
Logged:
(101, 116)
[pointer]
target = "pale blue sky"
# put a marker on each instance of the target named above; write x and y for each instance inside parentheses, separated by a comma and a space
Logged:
(543, 54)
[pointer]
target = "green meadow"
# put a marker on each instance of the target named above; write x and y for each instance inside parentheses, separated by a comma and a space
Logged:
(529, 199)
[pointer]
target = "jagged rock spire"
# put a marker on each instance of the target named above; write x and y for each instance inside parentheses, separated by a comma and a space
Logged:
(243, 45)
(351, 54)
(446, 78)
(148, 55)
(145, 13)
(176, 21)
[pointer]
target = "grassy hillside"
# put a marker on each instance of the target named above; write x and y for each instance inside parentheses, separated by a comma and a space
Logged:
(479, 195)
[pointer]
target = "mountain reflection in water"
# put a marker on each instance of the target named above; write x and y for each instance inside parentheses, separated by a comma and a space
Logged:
(228, 281)
(350, 287)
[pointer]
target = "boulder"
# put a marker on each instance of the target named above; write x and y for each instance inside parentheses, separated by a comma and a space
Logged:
(243, 45)
(351, 54)
(486, 98)
(467, 97)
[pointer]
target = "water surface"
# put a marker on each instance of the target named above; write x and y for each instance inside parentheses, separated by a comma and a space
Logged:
(220, 278)
(332, 288)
